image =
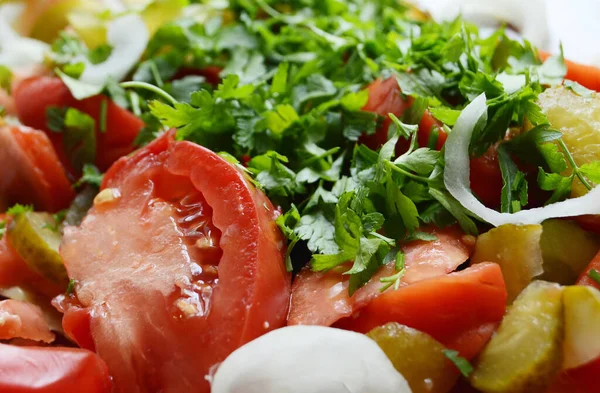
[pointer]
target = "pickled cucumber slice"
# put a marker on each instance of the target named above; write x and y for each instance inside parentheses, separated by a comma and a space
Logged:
(417, 356)
(582, 325)
(526, 352)
(36, 238)
(516, 248)
(566, 249)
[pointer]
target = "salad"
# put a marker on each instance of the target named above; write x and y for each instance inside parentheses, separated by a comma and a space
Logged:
(269, 196)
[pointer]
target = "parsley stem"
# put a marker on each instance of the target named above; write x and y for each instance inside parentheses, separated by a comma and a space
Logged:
(147, 86)
(406, 173)
(573, 164)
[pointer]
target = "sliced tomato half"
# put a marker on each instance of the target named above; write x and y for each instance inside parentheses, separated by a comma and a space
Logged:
(31, 172)
(51, 370)
(34, 96)
(178, 264)
(585, 278)
(457, 310)
(321, 298)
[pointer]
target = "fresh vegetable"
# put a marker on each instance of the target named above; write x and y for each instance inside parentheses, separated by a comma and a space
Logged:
(207, 270)
(455, 309)
(526, 352)
(51, 370)
(35, 97)
(23, 320)
(322, 298)
(35, 174)
(418, 357)
(36, 238)
(578, 380)
(517, 250)
(43, 20)
(567, 249)
(299, 359)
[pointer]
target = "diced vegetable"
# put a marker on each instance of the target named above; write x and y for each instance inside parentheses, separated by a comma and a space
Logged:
(417, 356)
(36, 238)
(80, 206)
(19, 319)
(567, 249)
(526, 352)
(582, 326)
(44, 19)
(588, 277)
(517, 250)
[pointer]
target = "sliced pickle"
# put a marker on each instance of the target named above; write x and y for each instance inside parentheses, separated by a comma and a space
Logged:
(567, 249)
(582, 325)
(36, 238)
(526, 352)
(516, 248)
(80, 206)
(417, 356)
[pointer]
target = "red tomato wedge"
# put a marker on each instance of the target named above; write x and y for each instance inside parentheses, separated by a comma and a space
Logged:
(34, 174)
(321, 298)
(582, 379)
(181, 266)
(51, 370)
(35, 95)
(447, 307)
(23, 320)
(384, 98)
(585, 278)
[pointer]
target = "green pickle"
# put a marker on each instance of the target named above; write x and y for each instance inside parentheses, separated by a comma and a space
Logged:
(526, 353)
(36, 238)
(567, 250)
(80, 206)
(417, 356)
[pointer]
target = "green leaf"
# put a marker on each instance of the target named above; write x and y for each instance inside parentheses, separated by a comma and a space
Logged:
(553, 71)
(79, 138)
(19, 209)
(514, 183)
(461, 363)
(5, 78)
(366, 250)
(456, 209)
(591, 171)
(91, 175)
(579, 90)
(318, 230)
(355, 101)
(421, 161)
(424, 82)
(282, 117)
(55, 118)
(554, 157)
(229, 89)
(280, 83)
(560, 185)
(316, 86)
(445, 115)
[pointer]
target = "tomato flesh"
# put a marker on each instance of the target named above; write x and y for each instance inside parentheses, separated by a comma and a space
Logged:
(35, 95)
(447, 308)
(51, 370)
(23, 320)
(35, 175)
(321, 298)
(585, 278)
(176, 273)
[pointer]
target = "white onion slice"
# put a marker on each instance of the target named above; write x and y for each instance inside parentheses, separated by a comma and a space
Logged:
(457, 179)
(17, 51)
(128, 36)
(303, 359)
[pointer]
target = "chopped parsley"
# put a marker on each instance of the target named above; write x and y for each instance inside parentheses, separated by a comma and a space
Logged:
(594, 275)
(461, 363)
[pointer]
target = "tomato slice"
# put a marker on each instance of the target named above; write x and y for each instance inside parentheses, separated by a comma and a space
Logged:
(585, 279)
(35, 175)
(448, 308)
(322, 298)
(384, 98)
(51, 370)
(23, 320)
(34, 96)
(582, 379)
(180, 267)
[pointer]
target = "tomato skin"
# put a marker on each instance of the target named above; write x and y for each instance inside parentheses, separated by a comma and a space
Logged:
(583, 379)
(585, 279)
(384, 98)
(51, 370)
(444, 307)
(35, 175)
(486, 177)
(589, 222)
(212, 74)
(35, 95)
(132, 305)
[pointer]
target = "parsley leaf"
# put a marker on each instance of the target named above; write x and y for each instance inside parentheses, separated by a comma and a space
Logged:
(461, 363)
